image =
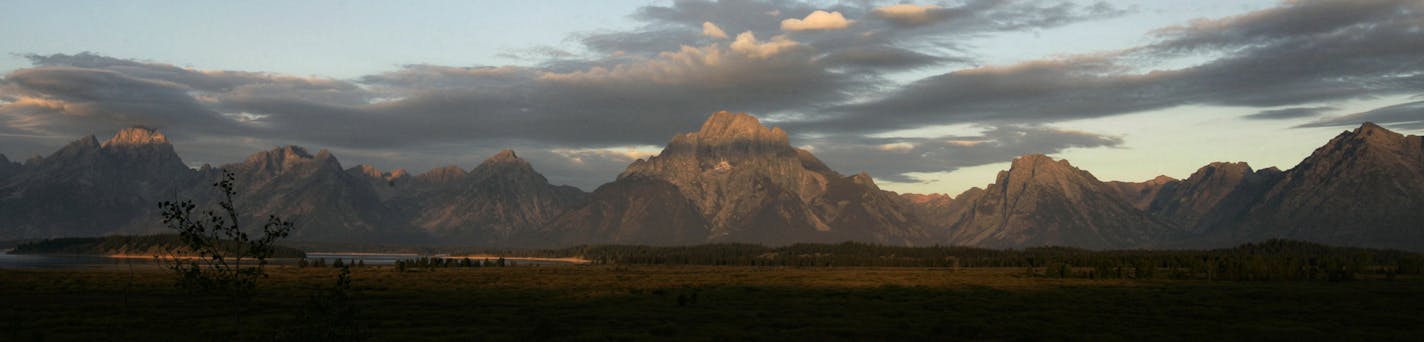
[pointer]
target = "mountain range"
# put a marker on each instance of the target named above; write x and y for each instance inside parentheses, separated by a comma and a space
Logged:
(733, 180)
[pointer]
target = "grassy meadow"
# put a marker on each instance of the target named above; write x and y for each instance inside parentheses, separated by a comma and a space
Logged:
(601, 302)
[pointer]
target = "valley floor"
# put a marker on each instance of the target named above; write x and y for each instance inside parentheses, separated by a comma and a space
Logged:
(716, 303)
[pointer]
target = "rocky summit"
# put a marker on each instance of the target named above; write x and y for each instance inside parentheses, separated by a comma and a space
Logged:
(1363, 188)
(735, 180)
(1040, 201)
(495, 202)
(137, 136)
(88, 188)
(1212, 195)
(315, 192)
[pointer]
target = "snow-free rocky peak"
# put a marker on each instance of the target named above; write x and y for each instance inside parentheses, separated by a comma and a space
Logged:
(726, 127)
(504, 156)
(503, 160)
(735, 180)
(137, 136)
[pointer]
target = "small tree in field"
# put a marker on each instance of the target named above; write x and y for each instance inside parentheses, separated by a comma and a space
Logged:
(221, 259)
(218, 247)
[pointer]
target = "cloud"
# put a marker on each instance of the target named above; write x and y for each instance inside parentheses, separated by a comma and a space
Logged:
(711, 30)
(977, 16)
(1291, 20)
(879, 57)
(681, 22)
(907, 14)
(1289, 113)
(748, 45)
(817, 21)
(1408, 115)
(892, 159)
(736, 16)
(645, 42)
(585, 168)
(1268, 58)
(55, 99)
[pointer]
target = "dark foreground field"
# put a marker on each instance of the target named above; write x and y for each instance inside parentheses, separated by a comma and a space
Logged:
(718, 303)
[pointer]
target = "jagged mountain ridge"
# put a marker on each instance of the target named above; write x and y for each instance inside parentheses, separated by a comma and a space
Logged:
(313, 191)
(735, 180)
(1212, 195)
(939, 210)
(89, 188)
(386, 184)
(1141, 195)
(490, 204)
(485, 206)
(1040, 201)
(1363, 188)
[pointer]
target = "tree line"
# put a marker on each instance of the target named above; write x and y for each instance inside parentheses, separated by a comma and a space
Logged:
(428, 263)
(160, 245)
(1269, 260)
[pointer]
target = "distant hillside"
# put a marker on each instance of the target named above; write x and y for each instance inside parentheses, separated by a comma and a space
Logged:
(120, 245)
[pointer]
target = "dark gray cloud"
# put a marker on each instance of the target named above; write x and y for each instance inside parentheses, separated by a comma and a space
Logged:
(884, 58)
(1289, 113)
(975, 16)
(891, 158)
(1408, 115)
(647, 42)
(1294, 20)
(55, 99)
(1268, 58)
(638, 103)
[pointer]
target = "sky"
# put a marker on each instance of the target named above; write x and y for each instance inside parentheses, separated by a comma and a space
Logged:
(926, 96)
